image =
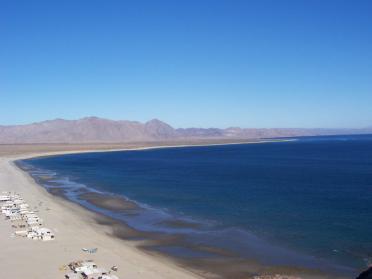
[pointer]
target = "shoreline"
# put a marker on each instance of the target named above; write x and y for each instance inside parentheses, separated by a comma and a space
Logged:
(162, 263)
(75, 228)
(145, 147)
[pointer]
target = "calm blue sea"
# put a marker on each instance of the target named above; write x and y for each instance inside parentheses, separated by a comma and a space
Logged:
(305, 202)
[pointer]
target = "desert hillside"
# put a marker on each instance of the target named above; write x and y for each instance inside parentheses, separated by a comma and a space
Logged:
(98, 130)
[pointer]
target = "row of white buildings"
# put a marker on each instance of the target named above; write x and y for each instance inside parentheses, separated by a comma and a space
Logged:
(26, 222)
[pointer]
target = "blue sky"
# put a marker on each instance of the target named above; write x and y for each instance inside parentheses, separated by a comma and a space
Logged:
(190, 63)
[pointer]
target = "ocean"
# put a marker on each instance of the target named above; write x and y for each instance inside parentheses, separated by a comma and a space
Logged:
(306, 202)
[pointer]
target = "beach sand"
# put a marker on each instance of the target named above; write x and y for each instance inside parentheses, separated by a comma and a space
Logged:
(76, 228)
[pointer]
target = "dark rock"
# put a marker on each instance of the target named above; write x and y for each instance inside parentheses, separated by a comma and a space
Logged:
(367, 274)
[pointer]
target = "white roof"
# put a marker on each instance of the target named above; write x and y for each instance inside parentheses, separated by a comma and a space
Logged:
(44, 230)
(89, 263)
(32, 222)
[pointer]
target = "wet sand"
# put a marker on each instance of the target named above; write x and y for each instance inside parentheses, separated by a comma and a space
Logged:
(180, 224)
(110, 202)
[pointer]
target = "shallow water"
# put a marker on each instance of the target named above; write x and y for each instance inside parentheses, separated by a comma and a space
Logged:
(305, 203)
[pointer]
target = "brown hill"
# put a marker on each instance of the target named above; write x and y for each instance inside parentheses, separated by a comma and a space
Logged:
(98, 130)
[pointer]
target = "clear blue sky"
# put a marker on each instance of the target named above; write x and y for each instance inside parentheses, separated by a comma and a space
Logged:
(190, 63)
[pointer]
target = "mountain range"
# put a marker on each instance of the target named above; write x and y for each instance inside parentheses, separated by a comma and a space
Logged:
(99, 130)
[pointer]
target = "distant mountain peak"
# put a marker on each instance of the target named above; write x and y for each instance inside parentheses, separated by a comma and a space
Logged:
(159, 129)
(155, 121)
